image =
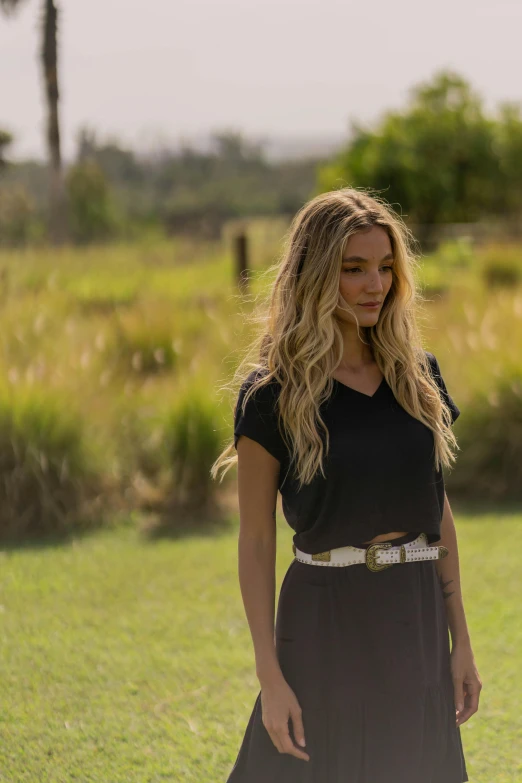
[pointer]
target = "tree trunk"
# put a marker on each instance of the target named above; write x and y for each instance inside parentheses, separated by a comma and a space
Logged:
(58, 214)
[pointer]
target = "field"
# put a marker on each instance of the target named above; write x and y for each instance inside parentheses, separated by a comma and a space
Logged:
(127, 657)
(128, 661)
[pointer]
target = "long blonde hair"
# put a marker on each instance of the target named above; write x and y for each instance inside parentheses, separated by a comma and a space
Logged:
(300, 343)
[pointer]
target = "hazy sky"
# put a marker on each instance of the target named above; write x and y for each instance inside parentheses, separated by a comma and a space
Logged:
(163, 69)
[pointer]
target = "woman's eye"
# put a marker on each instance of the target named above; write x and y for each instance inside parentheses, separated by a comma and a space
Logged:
(358, 268)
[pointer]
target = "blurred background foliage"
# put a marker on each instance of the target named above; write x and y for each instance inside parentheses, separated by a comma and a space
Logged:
(116, 346)
(441, 161)
(115, 360)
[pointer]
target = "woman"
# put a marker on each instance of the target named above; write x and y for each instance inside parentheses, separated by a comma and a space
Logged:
(350, 419)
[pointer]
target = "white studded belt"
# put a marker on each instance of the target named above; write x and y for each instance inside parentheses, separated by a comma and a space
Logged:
(377, 556)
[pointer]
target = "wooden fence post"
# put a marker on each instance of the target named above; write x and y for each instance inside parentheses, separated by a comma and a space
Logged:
(241, 260)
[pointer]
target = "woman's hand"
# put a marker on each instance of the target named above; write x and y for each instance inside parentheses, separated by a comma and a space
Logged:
(467, 684)
(279, 703)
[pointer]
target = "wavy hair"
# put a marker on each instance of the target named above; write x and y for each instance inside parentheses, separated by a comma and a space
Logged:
(300, 344)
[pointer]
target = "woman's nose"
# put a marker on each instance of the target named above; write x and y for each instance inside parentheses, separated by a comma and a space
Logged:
(374, 284)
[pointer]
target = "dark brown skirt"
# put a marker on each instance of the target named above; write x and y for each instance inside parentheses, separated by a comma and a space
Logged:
(368, 656)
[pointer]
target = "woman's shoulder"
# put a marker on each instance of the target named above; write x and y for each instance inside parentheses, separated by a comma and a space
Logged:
(256, 417)
(264, 397)
(441, 383)
(267, 390)
(432, 359)
(434, 366)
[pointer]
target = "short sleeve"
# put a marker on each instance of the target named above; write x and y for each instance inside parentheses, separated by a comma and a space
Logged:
(437, 376)
(259, 420)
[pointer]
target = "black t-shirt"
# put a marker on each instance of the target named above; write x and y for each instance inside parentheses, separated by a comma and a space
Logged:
(380, 471)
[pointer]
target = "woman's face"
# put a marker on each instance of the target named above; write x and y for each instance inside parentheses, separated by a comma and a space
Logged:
(366, 274)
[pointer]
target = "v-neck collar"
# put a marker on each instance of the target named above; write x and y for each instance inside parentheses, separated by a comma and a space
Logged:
(356, 391)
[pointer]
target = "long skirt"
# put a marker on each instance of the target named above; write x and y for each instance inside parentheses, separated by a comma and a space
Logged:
(367, 655)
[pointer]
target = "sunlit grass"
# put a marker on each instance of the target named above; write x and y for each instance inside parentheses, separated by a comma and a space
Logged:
(61, 308)
(127, 661)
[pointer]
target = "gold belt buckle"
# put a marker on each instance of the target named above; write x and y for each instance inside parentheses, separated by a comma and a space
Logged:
(371, 557)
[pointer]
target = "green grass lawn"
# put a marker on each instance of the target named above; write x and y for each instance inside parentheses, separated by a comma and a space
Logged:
(124, 660)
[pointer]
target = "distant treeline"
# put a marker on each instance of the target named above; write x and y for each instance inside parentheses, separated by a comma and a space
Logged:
(112, 191)
(439, 160)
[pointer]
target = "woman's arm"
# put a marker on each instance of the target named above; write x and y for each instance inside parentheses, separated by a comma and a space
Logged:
(258, 473)
(257, 494)
(449, 576)
(466, 680)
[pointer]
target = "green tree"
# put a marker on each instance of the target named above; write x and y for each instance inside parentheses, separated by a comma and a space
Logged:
(437, 159)
(49, 62)
(91, 209)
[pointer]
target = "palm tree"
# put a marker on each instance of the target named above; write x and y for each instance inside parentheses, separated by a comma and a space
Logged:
(49, 61)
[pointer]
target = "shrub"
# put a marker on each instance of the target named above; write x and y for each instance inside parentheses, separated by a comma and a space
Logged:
(489, 465)
(501, 265)
(193, 443)
(48, 478)
(140, 441)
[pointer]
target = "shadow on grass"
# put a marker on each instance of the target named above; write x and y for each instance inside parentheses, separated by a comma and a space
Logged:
(51, 540)
(477, 507)
(160, 522)
(177, 522)
(157, 521)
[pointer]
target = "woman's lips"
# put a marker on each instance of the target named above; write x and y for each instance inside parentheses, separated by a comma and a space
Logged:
(371, 306)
